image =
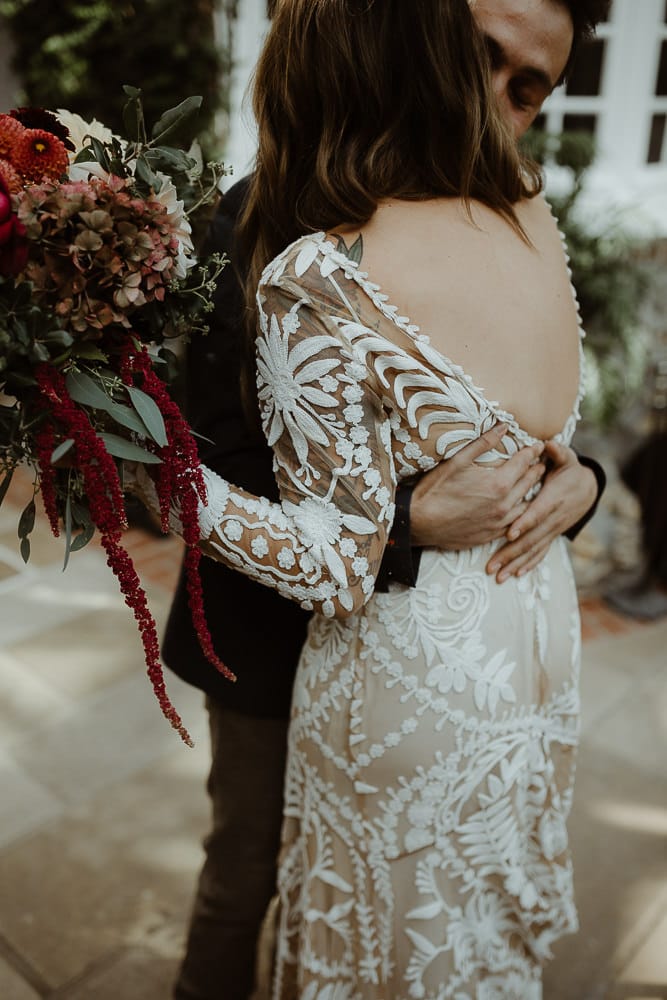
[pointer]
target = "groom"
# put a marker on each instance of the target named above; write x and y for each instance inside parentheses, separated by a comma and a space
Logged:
(258, 633)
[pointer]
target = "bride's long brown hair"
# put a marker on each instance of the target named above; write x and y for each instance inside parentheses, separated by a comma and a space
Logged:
(361, 100)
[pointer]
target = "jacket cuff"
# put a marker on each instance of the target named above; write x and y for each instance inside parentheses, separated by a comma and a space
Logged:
(400, 562)
(601, 480)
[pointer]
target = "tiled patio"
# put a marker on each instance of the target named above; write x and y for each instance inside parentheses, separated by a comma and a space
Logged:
(103, 809)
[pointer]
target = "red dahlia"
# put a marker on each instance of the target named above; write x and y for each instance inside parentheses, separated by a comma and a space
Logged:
(40, 154)
(40, 118)
(10, 177)
(11, 131)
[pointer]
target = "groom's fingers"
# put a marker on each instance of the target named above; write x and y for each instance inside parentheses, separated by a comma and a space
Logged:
(485, 442)
(512, 479)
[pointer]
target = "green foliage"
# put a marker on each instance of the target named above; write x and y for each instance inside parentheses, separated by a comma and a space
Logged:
(28, 334)
(77, 55)
(610, 278)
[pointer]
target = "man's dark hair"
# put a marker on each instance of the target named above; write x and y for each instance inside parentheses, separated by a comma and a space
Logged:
(586, 15)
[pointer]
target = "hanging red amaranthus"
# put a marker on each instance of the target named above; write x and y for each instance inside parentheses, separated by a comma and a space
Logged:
(179, 481)
(45, 445)
(89, 457)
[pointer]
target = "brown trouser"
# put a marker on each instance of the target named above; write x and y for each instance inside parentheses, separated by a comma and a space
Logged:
(238, 877)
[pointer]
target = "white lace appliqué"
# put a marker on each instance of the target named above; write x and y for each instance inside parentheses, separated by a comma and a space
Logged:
(430, 764)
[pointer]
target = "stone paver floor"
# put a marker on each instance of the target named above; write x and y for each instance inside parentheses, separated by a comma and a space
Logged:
(103, 809)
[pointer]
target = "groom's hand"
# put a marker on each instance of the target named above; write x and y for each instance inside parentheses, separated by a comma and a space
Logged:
(568, 491)
(462, 503)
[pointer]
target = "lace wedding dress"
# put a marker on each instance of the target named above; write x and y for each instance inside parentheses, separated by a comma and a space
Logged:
(433, 732)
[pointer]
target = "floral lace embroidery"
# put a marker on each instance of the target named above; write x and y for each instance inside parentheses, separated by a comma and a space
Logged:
(431, 750)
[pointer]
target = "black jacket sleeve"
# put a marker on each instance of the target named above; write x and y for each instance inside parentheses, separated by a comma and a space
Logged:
(401, 561)
(601, 480)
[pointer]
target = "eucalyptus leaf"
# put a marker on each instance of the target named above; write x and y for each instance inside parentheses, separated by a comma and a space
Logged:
(27, 520)
(40, 353)
(170, 158)
(83, 389)
(4, 485)
(91, 352)
(58, 336)
(202, 437)
(121, 448)
(149, 412)
(61, 450)
(81, 514)
(25, 549)
(82, 538)
(117, 167)
(100, 153)
(86, 391)
(171, 119)
(68, 530)
(145, 174)
(127, 417)
(83, 156)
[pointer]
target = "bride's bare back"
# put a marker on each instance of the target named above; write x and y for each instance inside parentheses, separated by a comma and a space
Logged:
(489, 301)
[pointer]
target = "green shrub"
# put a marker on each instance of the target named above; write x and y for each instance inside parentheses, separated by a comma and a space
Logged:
(611, 280)
(77, 54)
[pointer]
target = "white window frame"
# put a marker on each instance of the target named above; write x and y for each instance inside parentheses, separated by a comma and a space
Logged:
(627, 102)
(623, 186)
(249, 31)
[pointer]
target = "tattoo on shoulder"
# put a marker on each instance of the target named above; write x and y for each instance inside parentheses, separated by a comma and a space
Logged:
(355, 252)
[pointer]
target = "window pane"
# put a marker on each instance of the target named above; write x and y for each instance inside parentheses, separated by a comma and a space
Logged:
(580, 123)
(657, 139)
(586, 76)
(661, 84)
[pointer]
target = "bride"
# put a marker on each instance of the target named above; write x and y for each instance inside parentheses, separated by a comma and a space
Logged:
(411, 292)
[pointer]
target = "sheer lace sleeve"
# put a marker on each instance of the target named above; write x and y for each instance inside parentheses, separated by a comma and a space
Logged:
(322, 544)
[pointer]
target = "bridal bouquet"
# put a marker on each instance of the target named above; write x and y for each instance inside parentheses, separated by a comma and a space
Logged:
(97, 273)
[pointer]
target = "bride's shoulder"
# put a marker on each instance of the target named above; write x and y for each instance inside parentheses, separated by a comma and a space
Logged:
(295, 259)
(538, 212)
(310, 261)
(540, 223)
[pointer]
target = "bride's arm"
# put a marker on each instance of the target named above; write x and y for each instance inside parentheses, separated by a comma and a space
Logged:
(322, 544)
